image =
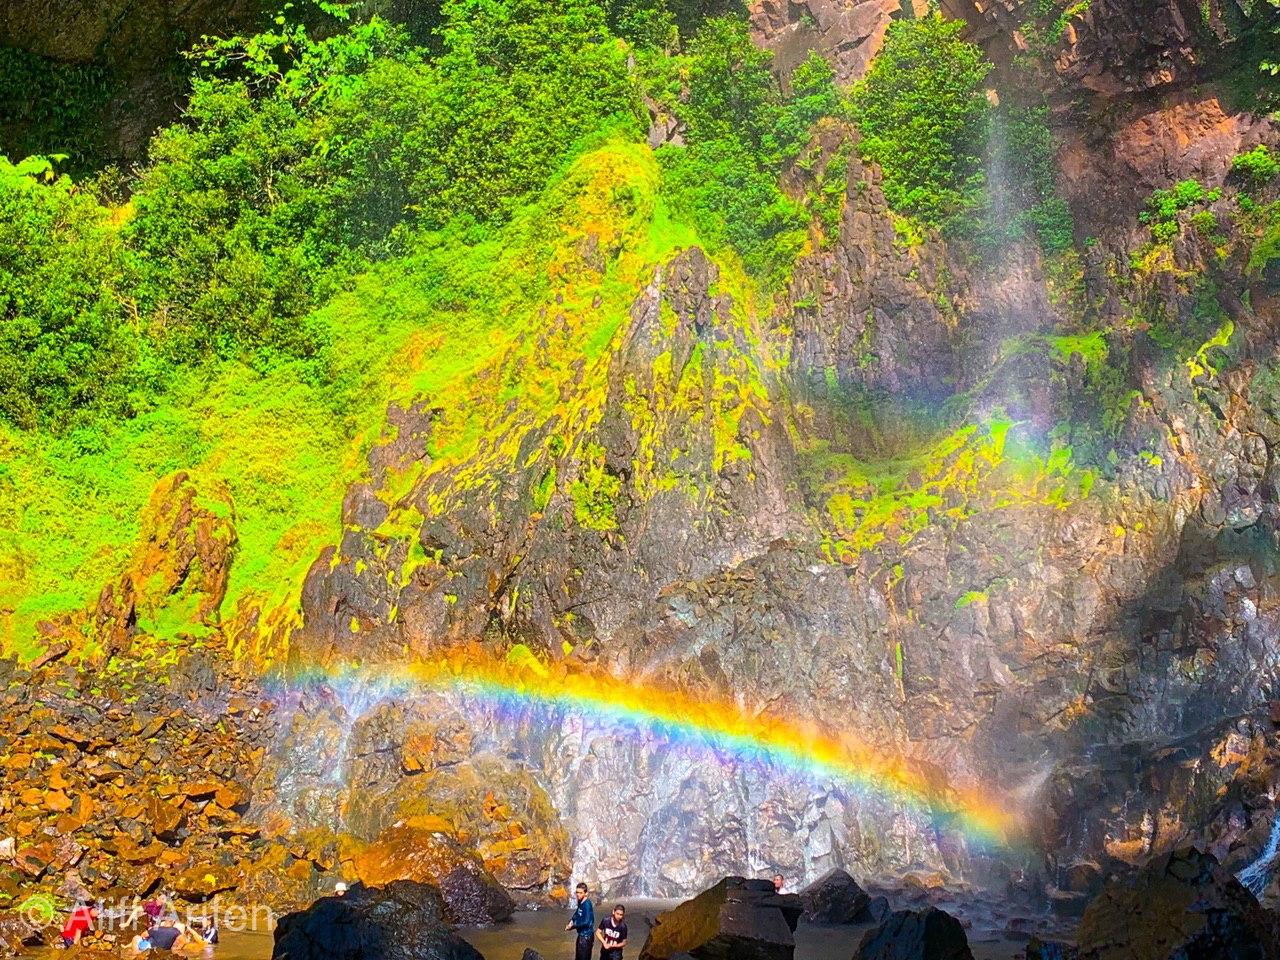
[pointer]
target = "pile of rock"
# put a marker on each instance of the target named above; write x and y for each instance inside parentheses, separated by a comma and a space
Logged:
(121, 782)
(111, 786)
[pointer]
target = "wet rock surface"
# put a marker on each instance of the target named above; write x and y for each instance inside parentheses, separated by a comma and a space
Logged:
(1181, 904)
(403, 921)
(736, 918)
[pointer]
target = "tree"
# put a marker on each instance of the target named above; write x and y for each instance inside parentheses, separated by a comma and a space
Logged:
(925, 119)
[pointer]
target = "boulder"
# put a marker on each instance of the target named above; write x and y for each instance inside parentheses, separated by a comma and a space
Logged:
(1181, 906)
(929, 934)
(473, 898)
(835, 898)
(471, 894)
(530, 954)
(401, 921)
(737, 919)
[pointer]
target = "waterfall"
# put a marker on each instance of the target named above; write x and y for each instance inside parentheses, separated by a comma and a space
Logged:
(1257, 875)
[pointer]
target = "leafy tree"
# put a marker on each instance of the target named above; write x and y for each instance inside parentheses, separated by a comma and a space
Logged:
(1257, 166)
(732, 91)
(741, 131)
(63, 347)
(924, 119)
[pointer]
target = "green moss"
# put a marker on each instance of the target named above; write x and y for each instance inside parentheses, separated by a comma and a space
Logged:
(595, 492)
(956, 475)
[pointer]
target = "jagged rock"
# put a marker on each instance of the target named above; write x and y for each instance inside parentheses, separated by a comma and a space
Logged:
(402, 921)
(929, 934)
(877, 909)
(183, 556)
(737, 918)
(530, 954)
(1180, 905)
(848, 33)
(473, 897)
(202, 881)
(471, 894)
(835, 898)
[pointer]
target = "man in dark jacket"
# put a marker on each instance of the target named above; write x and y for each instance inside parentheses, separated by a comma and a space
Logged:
(583, 923)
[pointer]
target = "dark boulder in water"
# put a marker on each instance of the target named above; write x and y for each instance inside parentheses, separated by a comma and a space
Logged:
(473, 898)
(929, 934)
(835, 898)
(405, 920)
(1180, 906)
(737, 919)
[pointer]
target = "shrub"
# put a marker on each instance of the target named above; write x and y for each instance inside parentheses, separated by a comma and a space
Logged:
(741, 131)
(63, 348)
(1258, 166)
(925, 118)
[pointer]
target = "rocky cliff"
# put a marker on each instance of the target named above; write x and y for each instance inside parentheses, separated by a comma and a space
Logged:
(1012, 520)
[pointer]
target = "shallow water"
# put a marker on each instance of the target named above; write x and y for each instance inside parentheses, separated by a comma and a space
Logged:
(543, 930)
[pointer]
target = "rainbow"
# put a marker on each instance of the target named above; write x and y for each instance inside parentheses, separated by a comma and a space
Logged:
(521, 681)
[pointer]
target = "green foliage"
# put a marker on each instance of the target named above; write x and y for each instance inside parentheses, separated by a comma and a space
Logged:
(1032, 158)
(1266, 249)
(1164, 206)
(1257, 166)
(741, 131)
(300, 162)
(661, 23)
(63, 349)
(924, 119)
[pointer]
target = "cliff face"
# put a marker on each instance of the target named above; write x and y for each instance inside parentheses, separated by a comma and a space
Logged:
(1063, 593)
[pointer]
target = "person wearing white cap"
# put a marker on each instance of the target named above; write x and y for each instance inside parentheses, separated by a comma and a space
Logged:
(340, 889)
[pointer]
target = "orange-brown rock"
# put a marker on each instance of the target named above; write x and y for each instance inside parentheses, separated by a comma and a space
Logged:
(204, 880)
(165, 817)
(230, 795)
(69, 734)
(184, 556)
(129, 851)
(34, 860)
(201, 789)
(470, 892)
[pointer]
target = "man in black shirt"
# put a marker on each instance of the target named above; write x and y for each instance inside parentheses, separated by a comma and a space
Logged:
(613, 934)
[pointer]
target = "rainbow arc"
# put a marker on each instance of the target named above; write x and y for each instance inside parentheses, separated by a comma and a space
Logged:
(520, 682)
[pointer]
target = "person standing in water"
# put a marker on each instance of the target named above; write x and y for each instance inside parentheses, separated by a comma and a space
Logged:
(583, 923)
(613, 934)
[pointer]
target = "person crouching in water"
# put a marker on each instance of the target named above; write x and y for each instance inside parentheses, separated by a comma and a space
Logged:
(613, 934)
(167, 935)
(583, 923)
(204, 930)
